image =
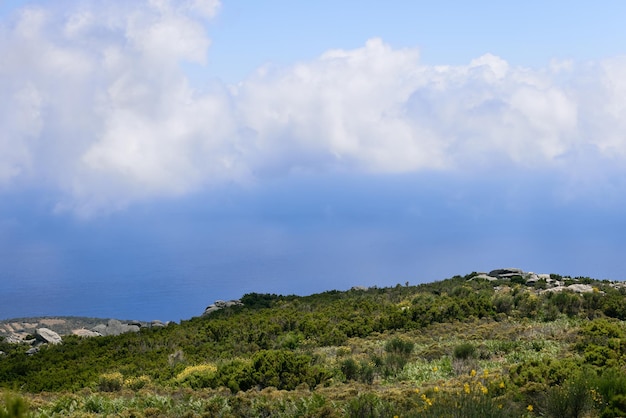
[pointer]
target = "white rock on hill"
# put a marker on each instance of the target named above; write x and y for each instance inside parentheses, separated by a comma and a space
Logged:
(47, 336)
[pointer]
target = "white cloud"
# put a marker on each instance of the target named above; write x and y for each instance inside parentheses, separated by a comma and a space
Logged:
(94, 103)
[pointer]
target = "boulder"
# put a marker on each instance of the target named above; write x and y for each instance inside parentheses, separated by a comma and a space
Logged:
(506, 273)
(86, 333)
(32, 351)
(580, 288)
(13, 338)
(114, 327)
(484, 276)
(47, 336)
(221, 304)
(157, 324)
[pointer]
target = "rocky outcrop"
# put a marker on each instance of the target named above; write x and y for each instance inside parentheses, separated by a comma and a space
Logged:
(114, 327)
(576, 287)
(221, 304)
(47, 336)
(506, 273)
(85, 333)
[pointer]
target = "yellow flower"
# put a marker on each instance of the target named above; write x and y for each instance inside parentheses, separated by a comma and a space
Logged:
(436, 389)
(435, 369)
(485, 373)
(417, 390)
(484, 390)
(501, 385)
(466, 388)
(530, 408)
(473, 373)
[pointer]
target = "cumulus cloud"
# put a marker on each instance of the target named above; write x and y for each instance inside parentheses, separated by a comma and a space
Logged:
(96, 105)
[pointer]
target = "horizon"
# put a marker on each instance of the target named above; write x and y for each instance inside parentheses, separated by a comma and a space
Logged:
(159, 155)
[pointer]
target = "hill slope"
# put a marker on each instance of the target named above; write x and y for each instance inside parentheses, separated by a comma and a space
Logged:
(509, 344)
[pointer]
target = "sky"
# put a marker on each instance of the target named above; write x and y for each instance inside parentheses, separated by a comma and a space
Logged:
(158, 155)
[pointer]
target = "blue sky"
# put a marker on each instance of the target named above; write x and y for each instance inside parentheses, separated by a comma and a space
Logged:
(158, 155)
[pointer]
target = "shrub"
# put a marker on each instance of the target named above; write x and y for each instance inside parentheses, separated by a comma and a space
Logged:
(399, 346)
(464, 351)
(198, 376)
(570, 400)
(110, 382)
(13, 406)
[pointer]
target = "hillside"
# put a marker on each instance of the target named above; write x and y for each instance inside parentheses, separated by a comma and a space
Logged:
(507, 343)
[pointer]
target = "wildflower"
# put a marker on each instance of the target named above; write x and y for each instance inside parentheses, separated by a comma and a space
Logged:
(530, 408)
(484, 390)
(501, 385)
(485, 373)
(435, 369)
(417, 390)
(466, 388)
(436, 389)
(473, 373)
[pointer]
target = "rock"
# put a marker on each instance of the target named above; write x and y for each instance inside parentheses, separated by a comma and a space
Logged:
(86, 333)
(100, 329)
(2, 353)
(32, 351)
(580, 288)
(157, 324)
(484, 276)
(48, 336)
(221, 304)
(13, 338)
(360, 288)
(114, 327)
(506, 273)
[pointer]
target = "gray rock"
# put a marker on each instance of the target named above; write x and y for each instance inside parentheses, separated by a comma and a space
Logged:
(484, 277)
(86, 333)
(100, 329)
(361, 288)
(221, 304)
(209, 309)
(48, 336)
(32, 351)
(580, 288)
(114, 327)
(506, 273)
(157, 324)
(13, 338)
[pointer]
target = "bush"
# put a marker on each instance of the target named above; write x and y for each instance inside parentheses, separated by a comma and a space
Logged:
(399, 346)
(464, 351)
(13, 406)
(570, 400)
(198, 376)
(110, 382)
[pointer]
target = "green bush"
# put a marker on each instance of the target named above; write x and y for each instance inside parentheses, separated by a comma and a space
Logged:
(111, 382)
(464, 351)
(572, 399)
(13, 406)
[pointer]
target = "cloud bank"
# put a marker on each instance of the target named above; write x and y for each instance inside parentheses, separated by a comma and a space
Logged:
(97, 105)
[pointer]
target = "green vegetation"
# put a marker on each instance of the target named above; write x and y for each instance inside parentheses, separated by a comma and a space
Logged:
(461, 347)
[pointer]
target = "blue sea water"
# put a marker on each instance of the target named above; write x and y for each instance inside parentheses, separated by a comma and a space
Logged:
(170, 259)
